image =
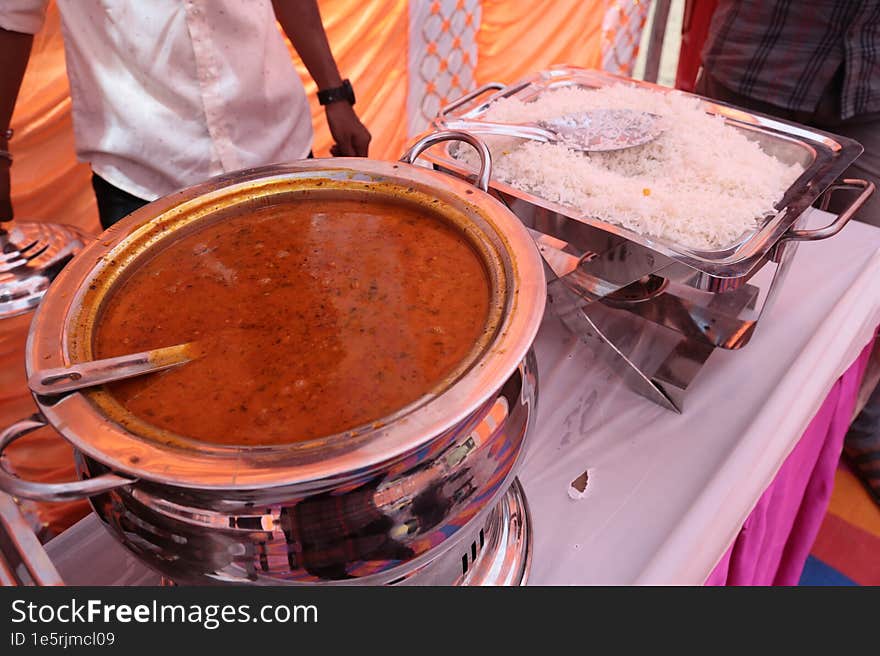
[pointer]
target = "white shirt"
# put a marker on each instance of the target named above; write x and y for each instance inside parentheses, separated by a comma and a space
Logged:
(167, 93)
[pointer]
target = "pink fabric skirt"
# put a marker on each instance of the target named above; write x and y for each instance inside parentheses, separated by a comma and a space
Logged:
(773, 544)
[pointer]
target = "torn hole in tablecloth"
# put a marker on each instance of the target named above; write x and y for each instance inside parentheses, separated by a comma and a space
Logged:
(579, 487)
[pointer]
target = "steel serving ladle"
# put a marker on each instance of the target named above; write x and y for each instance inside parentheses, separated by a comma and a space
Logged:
(595, 130)
(97, 372)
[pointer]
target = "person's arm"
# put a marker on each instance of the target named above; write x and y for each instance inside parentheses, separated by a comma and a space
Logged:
(301, 21)
(15, 50)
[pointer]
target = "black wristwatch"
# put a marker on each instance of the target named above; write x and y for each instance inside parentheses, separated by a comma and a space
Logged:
(344, 92)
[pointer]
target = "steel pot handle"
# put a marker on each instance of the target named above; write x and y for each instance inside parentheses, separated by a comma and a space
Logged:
(19, 546)
(411, 155)
(17, 487)
(842, 219)
(476, 93)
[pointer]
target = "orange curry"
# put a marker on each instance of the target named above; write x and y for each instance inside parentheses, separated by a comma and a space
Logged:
(313, 317)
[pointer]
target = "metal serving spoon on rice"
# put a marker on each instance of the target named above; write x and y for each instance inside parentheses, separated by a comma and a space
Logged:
(595, 130)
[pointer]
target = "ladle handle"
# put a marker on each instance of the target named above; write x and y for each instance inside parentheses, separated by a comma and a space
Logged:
(47, 382)
(17, 487)
(516, 130)
(420, 146)
(473, 95)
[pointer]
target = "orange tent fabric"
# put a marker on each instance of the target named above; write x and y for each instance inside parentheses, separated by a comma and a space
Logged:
(519, 38)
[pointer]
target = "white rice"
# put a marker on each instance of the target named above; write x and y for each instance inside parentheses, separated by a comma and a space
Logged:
(701, 184)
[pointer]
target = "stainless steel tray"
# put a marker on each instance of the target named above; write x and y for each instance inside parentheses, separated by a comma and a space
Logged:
(824, 157)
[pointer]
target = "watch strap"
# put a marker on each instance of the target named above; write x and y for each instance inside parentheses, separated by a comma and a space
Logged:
(343, 92)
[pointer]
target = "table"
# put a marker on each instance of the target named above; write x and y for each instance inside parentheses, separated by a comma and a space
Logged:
(667, 494)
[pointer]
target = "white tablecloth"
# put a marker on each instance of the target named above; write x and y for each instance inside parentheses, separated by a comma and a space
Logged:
(667, 493)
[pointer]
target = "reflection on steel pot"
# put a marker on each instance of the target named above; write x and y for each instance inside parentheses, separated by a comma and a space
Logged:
(31, 255)
(388, 502)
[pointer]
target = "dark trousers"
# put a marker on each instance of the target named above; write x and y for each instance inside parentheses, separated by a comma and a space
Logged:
(114, 203)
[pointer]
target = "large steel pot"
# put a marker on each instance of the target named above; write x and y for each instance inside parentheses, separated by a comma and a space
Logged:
(377, 505)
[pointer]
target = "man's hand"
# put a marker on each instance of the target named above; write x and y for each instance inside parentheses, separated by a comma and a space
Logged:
(351, 137)
(301, 22)
(5, 196)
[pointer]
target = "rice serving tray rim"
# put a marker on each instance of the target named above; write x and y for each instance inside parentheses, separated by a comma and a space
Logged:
(91, 432)
(829, 156)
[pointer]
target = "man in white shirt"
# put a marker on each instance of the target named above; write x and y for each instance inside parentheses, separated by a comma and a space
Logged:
(168, 93)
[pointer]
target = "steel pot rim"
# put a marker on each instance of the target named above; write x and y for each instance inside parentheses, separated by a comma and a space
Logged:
(92, 433)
